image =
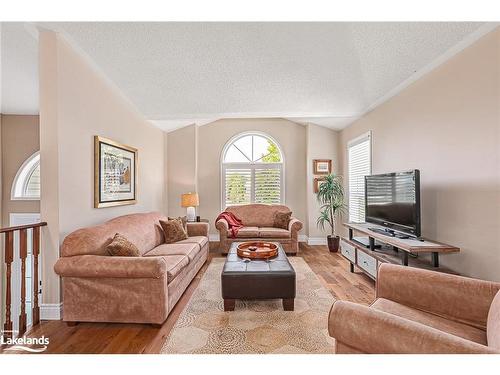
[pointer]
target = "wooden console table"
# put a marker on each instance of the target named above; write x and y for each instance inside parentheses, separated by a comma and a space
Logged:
(394, 250)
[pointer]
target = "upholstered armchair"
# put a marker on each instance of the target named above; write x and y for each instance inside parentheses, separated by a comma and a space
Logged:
(418, 311)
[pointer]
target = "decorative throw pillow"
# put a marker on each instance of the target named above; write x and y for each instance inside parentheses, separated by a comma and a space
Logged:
(183, 219)
(122, 247)
(282, 219)
(174, 230)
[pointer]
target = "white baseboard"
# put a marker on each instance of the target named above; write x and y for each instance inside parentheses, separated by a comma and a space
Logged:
(50, 311)
(317, 241)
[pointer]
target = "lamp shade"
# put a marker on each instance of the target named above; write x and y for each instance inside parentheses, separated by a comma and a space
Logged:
(190, 200)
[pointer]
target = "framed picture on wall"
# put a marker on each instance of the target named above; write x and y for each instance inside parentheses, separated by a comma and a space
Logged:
(322, 166)
(317, 182)
(115, 173)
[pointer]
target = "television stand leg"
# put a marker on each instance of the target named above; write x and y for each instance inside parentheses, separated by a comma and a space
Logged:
(405, 258)
(372, 243)
(435, 259)
(352, 267)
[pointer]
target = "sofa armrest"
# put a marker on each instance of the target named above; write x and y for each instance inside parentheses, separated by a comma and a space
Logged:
(460, 298)
(97, 266)
(223, 227)
(294, 225)
(372, 331)
(198, 229)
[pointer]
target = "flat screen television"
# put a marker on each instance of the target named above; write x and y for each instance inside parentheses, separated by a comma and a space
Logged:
(393, 201)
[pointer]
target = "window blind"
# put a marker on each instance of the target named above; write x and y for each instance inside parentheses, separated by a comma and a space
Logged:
(359, 166)
(255, 184)
(267, 183)
(238, 186)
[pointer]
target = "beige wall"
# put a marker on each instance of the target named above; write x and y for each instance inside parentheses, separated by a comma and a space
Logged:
(20, 139)
(181, 165)
(211, 138)
(76, 103)
(322, 143)
(447, 125)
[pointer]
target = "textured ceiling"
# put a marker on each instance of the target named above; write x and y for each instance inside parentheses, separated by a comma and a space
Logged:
(326, 73)
(19, 69)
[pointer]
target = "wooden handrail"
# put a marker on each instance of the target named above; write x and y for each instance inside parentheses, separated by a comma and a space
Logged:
(23, 254)
(19, 227)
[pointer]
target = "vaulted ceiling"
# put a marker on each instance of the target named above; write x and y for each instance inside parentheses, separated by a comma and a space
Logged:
(182, 73)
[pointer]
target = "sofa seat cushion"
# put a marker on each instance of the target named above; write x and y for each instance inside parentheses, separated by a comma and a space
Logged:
(248, 232)
(200, 240)
(267, 232)
(175, 265)
(442, 324)
(190, 250)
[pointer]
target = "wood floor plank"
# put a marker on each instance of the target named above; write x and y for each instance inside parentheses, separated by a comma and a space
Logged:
(331, 268)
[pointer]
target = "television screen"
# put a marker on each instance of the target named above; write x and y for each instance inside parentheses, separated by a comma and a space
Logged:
(393, 200)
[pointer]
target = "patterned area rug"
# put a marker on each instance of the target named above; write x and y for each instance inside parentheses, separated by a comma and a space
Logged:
(254, 327)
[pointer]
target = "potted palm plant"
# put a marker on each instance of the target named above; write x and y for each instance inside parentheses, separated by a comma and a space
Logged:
(331, 197)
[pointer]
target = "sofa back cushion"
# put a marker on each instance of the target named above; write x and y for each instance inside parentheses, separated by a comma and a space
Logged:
(143, 230)
(493, 325)
(257, 215)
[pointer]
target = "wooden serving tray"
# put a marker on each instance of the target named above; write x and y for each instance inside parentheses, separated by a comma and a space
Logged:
(257, 250)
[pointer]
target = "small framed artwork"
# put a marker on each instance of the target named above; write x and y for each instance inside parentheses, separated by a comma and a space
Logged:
(322, 166)
(115, 173)
(317, 182)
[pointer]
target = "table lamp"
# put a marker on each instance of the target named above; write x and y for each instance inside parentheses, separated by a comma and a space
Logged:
(190, 201)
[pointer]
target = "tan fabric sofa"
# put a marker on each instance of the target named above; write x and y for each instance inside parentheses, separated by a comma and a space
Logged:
(418, 311)
(101, 288)
(258, 221)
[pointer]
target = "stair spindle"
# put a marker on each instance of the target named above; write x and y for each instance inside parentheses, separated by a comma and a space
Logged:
(36, 251)
(23, 253)
(9, 255)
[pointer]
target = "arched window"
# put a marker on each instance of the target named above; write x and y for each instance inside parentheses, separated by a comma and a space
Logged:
(26, 185)
(252, 170)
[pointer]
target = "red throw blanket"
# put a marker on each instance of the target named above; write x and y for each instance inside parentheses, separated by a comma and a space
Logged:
(232, 220)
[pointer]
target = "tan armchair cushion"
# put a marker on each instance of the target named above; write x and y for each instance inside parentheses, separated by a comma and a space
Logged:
(274, 233)
(248, 232)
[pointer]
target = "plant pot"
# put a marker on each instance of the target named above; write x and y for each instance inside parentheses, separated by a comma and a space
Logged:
(333, 243)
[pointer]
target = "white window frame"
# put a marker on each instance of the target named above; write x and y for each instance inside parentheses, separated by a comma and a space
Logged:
(22, 178)
(252, 166)
(353, 142)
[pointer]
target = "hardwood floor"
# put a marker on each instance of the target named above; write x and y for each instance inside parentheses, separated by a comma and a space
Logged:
(332, 270)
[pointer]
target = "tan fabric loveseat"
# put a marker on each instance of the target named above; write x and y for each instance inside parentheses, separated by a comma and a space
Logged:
(420, 312)
(102, 288)
(258, 221)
